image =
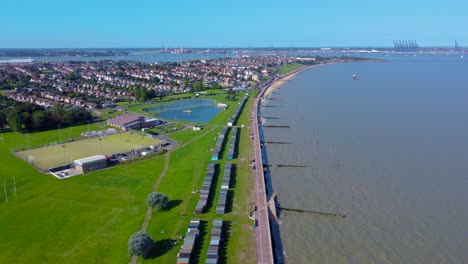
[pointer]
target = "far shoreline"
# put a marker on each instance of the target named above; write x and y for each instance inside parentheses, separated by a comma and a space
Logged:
(290, 75)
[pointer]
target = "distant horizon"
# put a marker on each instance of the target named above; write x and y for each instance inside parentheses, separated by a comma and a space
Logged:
(229, 47)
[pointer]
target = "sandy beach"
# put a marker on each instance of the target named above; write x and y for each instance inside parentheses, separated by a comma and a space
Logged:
(285, 78)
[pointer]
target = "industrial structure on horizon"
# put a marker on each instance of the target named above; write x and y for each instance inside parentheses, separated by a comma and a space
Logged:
(405, 45)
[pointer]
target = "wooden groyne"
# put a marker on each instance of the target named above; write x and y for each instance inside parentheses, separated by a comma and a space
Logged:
(313, 212)
(291, 166)
(270, 117)
(272, 106)
(277, 126)
(276, 142)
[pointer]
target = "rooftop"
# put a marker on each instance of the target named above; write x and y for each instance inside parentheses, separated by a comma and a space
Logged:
(125, 119)
(89, 159)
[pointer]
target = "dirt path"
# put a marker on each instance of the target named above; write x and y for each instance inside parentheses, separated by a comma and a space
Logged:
(167, 156)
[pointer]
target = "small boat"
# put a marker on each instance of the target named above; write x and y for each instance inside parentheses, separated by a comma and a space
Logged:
(461, 57)
(354, 76)
(188, 111)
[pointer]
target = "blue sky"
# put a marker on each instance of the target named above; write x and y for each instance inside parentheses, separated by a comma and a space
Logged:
(240, 23)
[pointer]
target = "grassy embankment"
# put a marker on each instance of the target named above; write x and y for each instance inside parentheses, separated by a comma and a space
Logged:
(289, 67)
(88, 219)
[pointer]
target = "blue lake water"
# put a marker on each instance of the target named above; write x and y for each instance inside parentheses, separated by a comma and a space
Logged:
(194, 111)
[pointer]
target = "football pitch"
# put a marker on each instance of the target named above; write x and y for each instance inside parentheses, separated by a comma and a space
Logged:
(60, 154)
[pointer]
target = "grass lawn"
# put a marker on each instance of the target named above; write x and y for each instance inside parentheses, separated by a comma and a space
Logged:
(89, 219)
(290, 67)
(86, 219)
(166, 129)
(48, 157)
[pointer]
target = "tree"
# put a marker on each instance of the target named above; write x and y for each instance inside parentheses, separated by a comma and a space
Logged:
(15, 121)
(40, 120)
(3, 120)
(143, 95)
(186, 82)
(137, 92)
(216, 86)
(140, 244)
(27, 120)
(197, 85)
(157, 201)
(72, 76)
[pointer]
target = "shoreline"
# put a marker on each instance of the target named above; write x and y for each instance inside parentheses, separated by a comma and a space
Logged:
(289, 76)
(268, 240)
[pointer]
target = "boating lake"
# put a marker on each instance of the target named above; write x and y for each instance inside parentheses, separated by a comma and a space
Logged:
(193, 111)
(388, 149)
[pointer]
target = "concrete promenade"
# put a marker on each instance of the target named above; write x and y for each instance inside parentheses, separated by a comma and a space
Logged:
(262, 232)
(263, 229)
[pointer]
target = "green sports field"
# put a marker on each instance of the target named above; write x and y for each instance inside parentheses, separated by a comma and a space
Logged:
(48, 157)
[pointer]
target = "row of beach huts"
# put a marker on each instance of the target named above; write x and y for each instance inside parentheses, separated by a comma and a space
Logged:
(223, 193)
(206, 187)
(186, 251)
(222, 135)
(193, 232)
(215, 242)
(232, 144)
(234, 117)
(219, 144)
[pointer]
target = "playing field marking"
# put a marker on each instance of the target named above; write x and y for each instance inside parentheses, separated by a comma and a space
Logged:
(100, 187)
(79, 203)
(92, 235)
(33, 250)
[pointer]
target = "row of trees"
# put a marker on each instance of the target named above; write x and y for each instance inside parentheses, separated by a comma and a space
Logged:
(10, 81)
(142, 94)
(22, 116)
(140, 243)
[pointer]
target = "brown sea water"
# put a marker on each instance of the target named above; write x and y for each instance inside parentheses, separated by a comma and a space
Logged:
(388, 149)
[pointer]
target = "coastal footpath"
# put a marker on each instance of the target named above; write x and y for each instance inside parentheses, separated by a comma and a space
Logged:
(263, 229)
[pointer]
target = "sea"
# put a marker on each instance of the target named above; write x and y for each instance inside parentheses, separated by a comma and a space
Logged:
(387, 149)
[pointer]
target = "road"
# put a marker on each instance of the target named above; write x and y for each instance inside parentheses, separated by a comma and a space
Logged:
(263, 233)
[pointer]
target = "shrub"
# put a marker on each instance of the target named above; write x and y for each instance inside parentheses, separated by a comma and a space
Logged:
(157, 201)
(140, 244)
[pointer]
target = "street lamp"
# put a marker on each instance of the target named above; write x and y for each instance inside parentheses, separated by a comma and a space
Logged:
(64, 155)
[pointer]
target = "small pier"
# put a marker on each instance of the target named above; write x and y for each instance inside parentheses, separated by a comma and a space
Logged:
(272, 206)
(291, 166)
(338, 215)
(277, 126)
(270, 117)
